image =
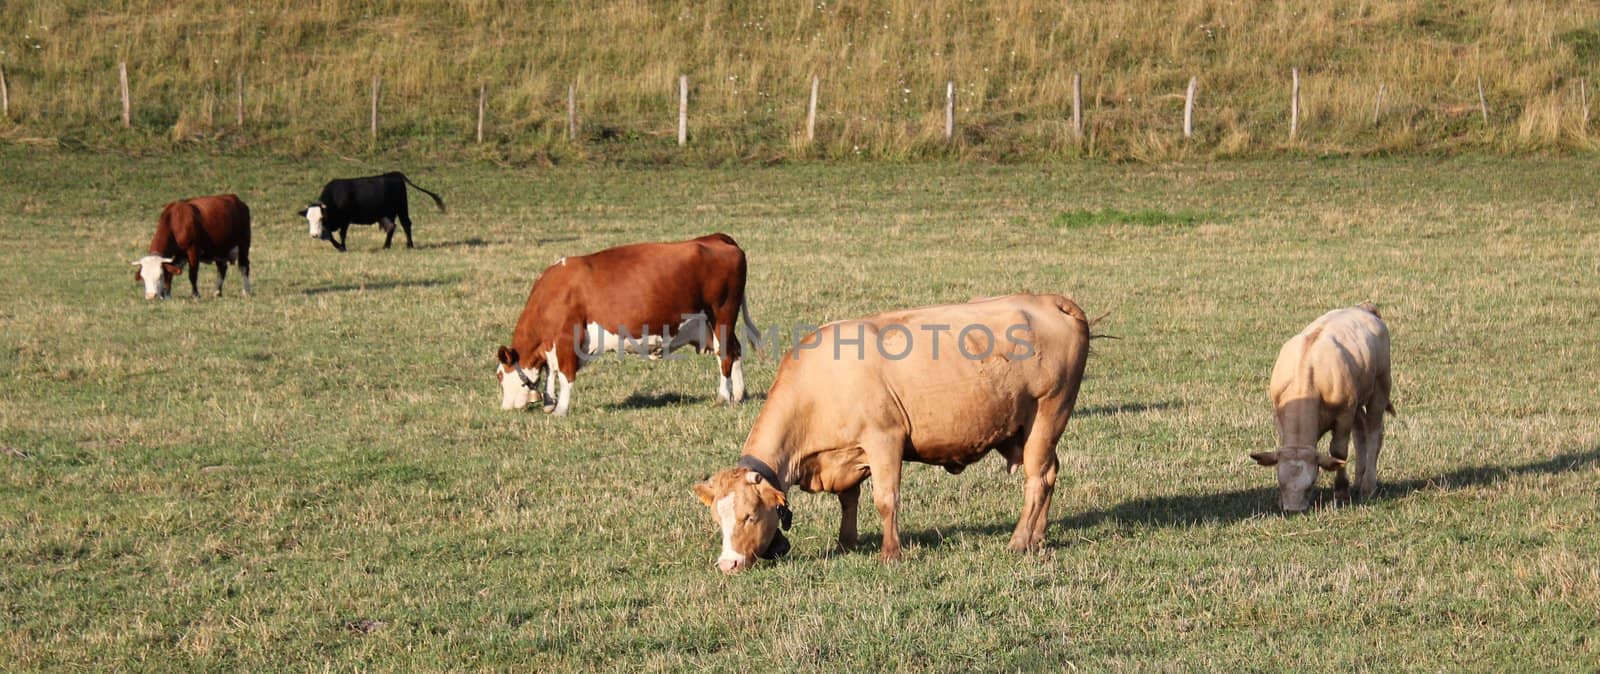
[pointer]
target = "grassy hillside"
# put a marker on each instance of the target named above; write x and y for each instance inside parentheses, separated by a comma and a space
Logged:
(318, 477)
(307, 69)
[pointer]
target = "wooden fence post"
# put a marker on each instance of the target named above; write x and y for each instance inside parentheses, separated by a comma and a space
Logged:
(950, 110)
(5, 94)
(1583, 91)
(127, 107)
(572, 111)
(1188, 108)
(238, 90)
(811, 112)
(483, 92)
(1294, 105)
(683, 110)
(1077, 106)
(1377, 107)
(1483, 104)
(375, 83)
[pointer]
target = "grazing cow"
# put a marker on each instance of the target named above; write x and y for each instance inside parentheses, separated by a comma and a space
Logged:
(363, 201)
(192, 231)
(644, 295)
(940, 385)
(1334, 375)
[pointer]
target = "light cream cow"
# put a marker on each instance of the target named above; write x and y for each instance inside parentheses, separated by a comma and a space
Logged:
(1333, 376)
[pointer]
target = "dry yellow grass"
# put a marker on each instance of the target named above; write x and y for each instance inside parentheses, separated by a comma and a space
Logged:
(308, 66)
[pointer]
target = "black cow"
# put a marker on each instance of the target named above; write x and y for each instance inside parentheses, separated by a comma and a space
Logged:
(363, 201)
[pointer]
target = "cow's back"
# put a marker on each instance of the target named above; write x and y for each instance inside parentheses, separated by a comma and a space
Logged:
(954, 399)
(225, 220)
(657, 283)
(1337, 359)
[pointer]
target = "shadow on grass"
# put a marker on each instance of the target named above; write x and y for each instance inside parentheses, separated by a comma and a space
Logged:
(639, 401)
(1124, 408)
(474, 242)
(1242, 504)
(377, 285)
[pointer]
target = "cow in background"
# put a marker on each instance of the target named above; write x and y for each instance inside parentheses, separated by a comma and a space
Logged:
(362, 201)
(1333, 376)
(193, 231)
(675, 293)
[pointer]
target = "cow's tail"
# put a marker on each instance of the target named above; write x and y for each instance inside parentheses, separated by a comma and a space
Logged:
(436, 200)
(753, 332)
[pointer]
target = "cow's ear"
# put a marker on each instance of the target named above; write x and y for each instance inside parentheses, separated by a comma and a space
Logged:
(138, 274)
(302, 212)
(703, 490)
(770, 495)
(1329, 463)
(1266, 458)
(171, 268)
(507, 356)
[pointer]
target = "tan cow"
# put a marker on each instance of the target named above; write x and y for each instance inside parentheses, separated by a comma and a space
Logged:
(941, 385)
(1334, 375)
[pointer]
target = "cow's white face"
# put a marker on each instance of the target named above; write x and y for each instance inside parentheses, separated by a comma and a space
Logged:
(1297, 473)
(513, 395)
(313, 215)
(745, 507)
(155, 272)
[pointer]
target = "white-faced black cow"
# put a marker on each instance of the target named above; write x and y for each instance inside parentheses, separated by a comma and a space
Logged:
(363, 201)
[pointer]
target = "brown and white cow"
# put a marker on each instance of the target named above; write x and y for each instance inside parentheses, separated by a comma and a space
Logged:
(941, 385)
(192, 231)
(643, 296)
(1333, 376)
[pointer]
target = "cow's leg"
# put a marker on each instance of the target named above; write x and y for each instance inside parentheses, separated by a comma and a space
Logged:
(730, 388)
(549, 401)
(849, 499)
(563, 360)
(405, 223)
(244, 268)
(388, 229)
(1339, 448)
(343, 234)
(564, 398)
(1039, 467)
(222, 273)
(883, 458)
(1367, 447)
(194, 275)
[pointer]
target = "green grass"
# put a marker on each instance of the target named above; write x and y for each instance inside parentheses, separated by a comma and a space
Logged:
(1148, 217)
(319, 477)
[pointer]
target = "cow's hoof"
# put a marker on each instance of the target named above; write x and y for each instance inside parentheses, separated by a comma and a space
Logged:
(1341, 498)
(890, 556)
(549, 408)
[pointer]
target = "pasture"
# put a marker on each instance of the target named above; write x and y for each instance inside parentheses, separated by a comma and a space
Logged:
(318, 476)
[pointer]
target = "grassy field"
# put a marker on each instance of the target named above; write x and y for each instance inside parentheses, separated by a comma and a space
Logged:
(318, 476)
(307, 67)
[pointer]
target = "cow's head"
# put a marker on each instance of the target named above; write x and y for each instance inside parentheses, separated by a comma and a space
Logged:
(156, 273)
(515, 393)
(1297, 473)
(314, 214)
(750, 511)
